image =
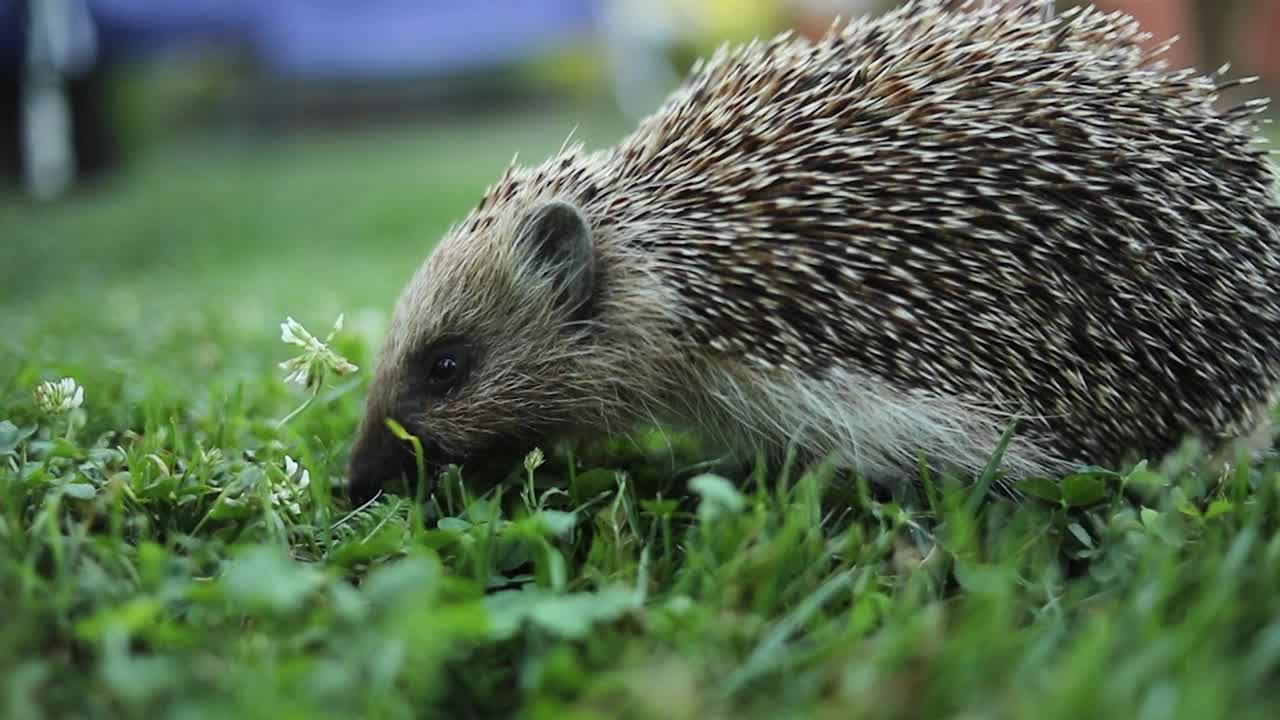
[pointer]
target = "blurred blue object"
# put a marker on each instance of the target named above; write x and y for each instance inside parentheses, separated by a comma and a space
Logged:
(11, 29)
(145, 26)
(55, 125)
(355, 37)
(337, 37)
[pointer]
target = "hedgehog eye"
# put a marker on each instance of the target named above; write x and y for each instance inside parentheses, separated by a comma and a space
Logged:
(445, 368)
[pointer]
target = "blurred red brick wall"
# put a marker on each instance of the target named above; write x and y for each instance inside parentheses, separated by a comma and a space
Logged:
(1211, 32)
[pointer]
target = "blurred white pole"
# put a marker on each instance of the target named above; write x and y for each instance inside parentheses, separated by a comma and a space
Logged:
(639, 35)
(61, 41)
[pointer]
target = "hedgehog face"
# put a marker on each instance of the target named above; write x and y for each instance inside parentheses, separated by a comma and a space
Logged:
(484, 349)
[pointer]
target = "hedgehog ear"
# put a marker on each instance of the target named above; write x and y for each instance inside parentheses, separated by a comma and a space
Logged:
(558, 241)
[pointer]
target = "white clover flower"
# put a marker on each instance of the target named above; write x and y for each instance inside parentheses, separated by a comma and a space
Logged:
(291, 468)
(58, 398)
(308, 369)
(317, 358)
(290, 493)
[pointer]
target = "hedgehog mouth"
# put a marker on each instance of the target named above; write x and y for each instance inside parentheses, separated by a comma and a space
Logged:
(387, 464)
(488, 468)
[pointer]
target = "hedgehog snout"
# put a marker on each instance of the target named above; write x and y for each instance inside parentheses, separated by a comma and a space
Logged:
(381, 461)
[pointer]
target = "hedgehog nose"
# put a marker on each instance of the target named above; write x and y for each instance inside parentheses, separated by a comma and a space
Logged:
(384, 463)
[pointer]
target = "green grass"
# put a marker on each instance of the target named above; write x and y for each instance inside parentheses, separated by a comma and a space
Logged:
(146, 572)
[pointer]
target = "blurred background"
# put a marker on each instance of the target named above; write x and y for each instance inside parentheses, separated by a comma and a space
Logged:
(88, 84)
(214, 152)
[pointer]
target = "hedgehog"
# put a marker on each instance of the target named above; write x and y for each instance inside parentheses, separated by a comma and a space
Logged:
(882, 245)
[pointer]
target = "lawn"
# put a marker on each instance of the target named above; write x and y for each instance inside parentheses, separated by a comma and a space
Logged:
(168, 550)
